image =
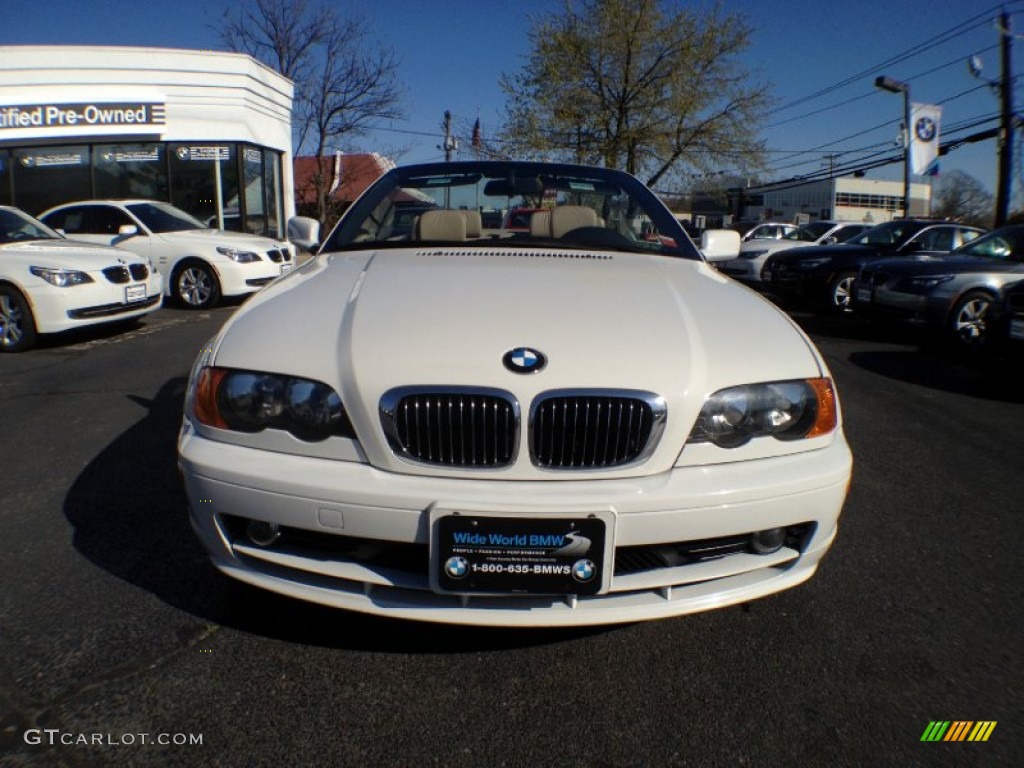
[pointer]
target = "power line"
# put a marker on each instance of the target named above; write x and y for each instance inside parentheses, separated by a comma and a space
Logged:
(958, 60)
(962, 28)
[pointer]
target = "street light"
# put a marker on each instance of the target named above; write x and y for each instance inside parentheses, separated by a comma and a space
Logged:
(898, 86)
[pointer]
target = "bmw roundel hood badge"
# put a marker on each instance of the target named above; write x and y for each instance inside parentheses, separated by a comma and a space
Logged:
(524, 360)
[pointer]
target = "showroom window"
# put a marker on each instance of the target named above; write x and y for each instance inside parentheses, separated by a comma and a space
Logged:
(5, 177)
(43, 176)
(252, 164)
(192, 176)
(272, 202)
(130, 171)
(202, 175)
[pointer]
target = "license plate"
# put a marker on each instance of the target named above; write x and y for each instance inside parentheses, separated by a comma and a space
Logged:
(766, 275)
(474, 553)
(286, 268)
(1017, 329)
(864, 294)
(134, 293)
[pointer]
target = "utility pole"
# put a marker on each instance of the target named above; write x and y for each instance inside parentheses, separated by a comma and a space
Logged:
(1007, 123)
(450, 143)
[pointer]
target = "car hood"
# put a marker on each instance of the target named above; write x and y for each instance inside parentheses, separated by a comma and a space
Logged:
(947, 265)
(68, 254)
(369, 322)
(219, 237)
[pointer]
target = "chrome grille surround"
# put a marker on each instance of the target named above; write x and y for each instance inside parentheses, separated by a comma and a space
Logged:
(593, 429)
(450, 426)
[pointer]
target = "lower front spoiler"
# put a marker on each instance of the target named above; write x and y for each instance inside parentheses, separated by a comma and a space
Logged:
(533, 611)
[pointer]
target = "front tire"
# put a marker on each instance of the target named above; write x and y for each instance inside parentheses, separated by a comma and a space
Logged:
(17, 326)
(195, 285)
(969, 327)
(840, 292)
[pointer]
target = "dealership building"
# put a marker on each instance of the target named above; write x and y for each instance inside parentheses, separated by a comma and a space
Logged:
(207, 131)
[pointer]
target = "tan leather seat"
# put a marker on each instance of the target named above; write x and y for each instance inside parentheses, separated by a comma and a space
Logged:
(540, 224)
(566, 218)
(441, 225)
(474, 224)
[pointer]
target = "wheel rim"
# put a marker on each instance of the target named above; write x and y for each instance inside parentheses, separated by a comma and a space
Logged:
(195, 286)
(970, 324)
(11, 322)
(843, 292)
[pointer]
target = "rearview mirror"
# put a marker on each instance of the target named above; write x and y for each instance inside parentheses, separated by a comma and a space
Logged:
(720, 244)
(304, 232)
(127, 230)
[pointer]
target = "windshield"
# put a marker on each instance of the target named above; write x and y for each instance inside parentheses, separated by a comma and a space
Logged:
(161, 217)
(892, 233)
(809, 233)
(1005, 243)
(16, 226)
(515, 205)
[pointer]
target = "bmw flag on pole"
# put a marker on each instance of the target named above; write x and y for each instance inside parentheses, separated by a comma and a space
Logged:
(924, 136)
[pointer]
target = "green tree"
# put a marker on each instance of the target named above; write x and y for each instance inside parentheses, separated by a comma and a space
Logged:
(631, 84)
(963, 198)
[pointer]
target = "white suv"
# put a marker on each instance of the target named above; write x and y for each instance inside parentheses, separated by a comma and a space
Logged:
(198, 264)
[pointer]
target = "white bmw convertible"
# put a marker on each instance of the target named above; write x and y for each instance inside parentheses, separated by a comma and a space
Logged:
(582, 423)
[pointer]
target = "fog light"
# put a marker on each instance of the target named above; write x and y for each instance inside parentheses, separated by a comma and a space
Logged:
(766, 542)
(262, 534)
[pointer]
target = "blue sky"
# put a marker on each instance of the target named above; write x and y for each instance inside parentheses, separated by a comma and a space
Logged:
(452, 53)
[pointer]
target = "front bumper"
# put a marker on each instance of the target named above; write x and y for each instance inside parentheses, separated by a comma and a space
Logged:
(60, 309)
(237, 279)
(361, 505)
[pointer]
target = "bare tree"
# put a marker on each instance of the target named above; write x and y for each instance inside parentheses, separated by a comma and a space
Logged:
(343, 84)
(962, 198)
(628, 84)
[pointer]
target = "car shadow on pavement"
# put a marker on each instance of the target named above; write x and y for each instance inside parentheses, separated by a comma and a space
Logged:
(128, 511)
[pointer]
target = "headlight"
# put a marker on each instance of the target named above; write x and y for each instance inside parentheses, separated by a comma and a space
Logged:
(820, 261)
(62, 278)
(240, 257)
(785, 410)
(753, 254)
(923, 283)
(249, 401)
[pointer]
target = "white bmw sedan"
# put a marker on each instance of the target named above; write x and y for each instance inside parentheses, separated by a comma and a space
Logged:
(199, 264)
(582, 423)
(49, 284)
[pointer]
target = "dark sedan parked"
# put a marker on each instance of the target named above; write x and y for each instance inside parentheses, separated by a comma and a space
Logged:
(1013, 317)
(959, 292)
(825, 274)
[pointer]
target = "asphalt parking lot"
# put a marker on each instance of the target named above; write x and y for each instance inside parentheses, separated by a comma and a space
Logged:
(116, 634)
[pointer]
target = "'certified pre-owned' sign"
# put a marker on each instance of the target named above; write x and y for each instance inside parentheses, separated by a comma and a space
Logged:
(77, 115)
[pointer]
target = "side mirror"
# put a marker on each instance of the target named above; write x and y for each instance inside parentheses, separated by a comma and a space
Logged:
(720, 244)
(304, 232)
(127, 230)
